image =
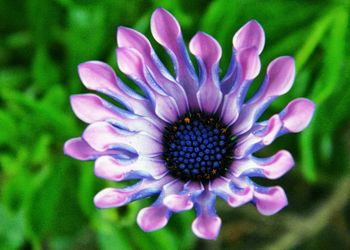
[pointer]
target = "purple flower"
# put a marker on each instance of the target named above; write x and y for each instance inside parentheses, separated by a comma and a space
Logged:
(190, 138)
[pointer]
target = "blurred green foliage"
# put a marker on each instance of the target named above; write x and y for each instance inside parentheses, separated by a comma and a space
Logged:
(46, 197)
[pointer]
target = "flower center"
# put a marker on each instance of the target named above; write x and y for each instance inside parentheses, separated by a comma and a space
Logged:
(197, 147)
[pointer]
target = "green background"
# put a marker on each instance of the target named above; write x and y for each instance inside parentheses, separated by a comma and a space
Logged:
(46, 197)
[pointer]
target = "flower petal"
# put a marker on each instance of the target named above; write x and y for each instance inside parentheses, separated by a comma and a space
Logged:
(248, 64)
(116, 197)
(259, 137)
(297, 115)
(208, 53)
(166, 30)
(132, 39)
(182, 201)
(91, 108)
(270, 200)
(153, 218)
(272, 167)
(207, 224)
(294, 118)
(131, 63)
(102, 136)
(235, 192)
(279, 79)
(110, 168)
(101, 77)
(80, 150)
(250, 35)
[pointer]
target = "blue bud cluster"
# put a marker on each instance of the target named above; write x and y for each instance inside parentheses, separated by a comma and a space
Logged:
(197, 147)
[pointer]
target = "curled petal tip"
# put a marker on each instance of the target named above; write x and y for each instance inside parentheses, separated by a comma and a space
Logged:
(164, 26)
(298, 114)
(271, 200)
(207, 227)
(110, 197)
(281, 74)
(250, 35)
(152, 218)
(130, 38)
(206, 48)
(78, 149)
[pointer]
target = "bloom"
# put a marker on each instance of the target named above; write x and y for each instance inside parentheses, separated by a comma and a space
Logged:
(190, 138)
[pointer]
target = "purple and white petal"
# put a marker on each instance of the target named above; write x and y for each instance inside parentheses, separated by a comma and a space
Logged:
(101, 77)
(130, 38)
(208, 53)
(110, 168)
(91, 108)
(153, 218)
(272, 167)
(259, 137)
(183, 200)
(166, 30)
(297, 115)
(248, 63)
(131, 63)
(207, 224)
(251, 35)
(102, 136)
(279, 79)
(270, 200)
(234, 191)
(116, 197)
(80, 150)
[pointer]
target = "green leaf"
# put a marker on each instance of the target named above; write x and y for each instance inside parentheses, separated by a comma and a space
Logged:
(11, 229)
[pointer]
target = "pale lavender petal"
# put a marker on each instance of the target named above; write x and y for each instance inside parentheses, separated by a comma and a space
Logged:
(110, 168)
(259, 137)
(132, 39)
(102, 136)
(249, 61)
(153, 218)
(166, 30)
(248, 66)
(207, 224)
(80, 150)
(270, 200)
(297, 115)
(294, 118)
(208, 53)
(272, 167)
(234, 191)
(279, 79)
(131, 63)
(182, 201)
(178, 203)
(116, 197)
(101, 77)
(91, 108)
(250, 35)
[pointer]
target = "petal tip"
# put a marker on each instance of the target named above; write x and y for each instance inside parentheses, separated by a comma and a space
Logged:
(150, 219)
(207, 228)
(250, 35)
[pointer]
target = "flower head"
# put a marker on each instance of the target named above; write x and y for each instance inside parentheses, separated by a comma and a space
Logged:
(190, 138)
